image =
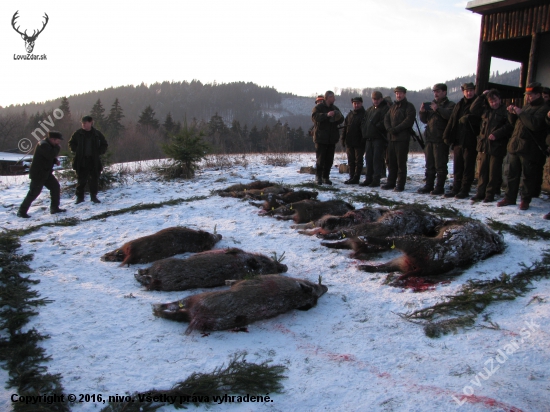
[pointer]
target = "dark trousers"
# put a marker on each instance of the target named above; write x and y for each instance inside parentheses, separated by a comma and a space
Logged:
(464, 168)
(87, 174)
(355, 160)
(397, 163)
(325, 158)
(522, 177)
(375, 159)
(35, 189)
(490, 174)
(437, 156)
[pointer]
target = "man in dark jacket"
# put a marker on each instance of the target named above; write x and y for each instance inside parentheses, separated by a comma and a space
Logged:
(461, 133)
(374, 136)
(353, 141)
(398, 123)
(326, 118)
(547, 216)
(45, 157)
(493, 136)
(526, 147)
(87, 144)
(320, 99)
(435, 116)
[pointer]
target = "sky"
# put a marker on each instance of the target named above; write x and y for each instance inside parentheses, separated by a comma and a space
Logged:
(302, 47)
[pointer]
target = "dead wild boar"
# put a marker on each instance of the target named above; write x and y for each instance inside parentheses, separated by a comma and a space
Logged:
(247, 301)
(240, 187)
(457, 244)
(165, 243)
(330, 223)
(206, 269)
(273, 201)
(308, 210)
(407, 220)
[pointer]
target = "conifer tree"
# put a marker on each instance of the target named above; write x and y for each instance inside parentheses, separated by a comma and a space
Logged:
(186, 148)
(169, 126)
(98, 114)
(147, 119)
(114, 126)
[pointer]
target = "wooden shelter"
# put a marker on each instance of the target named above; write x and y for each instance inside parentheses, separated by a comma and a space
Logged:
(516, 30)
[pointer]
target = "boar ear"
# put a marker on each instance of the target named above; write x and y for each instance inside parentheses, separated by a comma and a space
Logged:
(306, 288)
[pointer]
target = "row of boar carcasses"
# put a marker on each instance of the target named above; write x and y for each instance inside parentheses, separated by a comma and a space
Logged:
(431, 246)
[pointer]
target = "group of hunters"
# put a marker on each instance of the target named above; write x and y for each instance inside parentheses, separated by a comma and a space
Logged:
(478, 129)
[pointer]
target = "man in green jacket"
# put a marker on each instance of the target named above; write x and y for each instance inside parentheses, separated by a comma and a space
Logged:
(461, 133)
(87, 144)
(353, 141)
(526, 148)
(374, 135)
(41, 174)
(398, 123)
(326, 118)
(493, 137)
(435, 116)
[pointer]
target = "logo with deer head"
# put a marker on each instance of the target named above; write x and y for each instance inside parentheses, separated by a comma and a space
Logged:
(29, 40)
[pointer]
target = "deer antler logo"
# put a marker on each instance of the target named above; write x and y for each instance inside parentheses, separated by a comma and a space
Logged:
(29, 40)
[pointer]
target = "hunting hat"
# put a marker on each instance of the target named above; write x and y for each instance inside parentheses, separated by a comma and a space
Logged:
(376, 94)
(546, 90)
(319, 98)
(467, 86)
(400, 89)
(440, 86)
(357, 99)
(534, 87)
(87, 118)
(55, 135)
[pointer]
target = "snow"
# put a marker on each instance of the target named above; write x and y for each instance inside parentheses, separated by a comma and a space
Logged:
(350, 352)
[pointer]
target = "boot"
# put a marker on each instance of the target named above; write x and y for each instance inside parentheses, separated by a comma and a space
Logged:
(57, 210)
(399, 188)
(347, 182)
(462, 194)
(95, 199)
(375, 183)
(438, 190)
(478, 197)
(22, 214)
(452, 193)
(366, 182)
(79, 199)
(489, 198)
(319, 181)
(505, 202)
(327, 181)
(354, 181)
(387, 186)
(424, 189)
(524, 204)
(546, 216)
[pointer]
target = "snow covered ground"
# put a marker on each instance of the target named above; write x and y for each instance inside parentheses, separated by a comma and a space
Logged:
(351, 352)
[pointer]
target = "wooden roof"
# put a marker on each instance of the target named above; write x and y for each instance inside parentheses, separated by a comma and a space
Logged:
(494, 6)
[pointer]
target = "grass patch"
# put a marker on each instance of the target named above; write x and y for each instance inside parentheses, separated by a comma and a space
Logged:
(520, 230)
(373, 198)
(461, 310)
(20, 354)
(72, 221)
(312, 185)
(238, 377)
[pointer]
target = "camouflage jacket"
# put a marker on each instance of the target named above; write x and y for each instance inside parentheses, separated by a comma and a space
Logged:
(493, 122)
(399, 121)
(529, 130)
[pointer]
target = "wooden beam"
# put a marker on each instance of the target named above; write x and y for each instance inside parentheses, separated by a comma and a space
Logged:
(532, 68)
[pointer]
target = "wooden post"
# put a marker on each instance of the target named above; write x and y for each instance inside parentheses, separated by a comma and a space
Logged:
(532, 69)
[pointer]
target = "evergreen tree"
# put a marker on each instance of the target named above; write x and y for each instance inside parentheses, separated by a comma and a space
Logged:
(114, 126)
(254, 138)
(97, 113)
(147, 119)
(64, 107)
(169, 126)
(186, 148)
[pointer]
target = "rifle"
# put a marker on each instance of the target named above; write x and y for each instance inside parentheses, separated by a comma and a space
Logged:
(418, 137)
(536, 143)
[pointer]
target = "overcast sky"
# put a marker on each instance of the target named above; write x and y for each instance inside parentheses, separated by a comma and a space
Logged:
(299, 46)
